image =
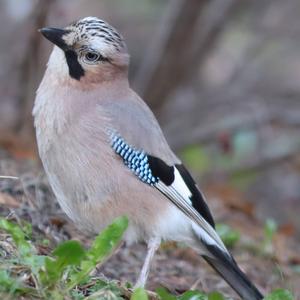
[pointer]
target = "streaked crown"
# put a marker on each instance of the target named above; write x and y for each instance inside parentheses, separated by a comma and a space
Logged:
(91, 31)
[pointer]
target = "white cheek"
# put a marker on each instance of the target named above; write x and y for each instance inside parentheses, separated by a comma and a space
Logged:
(57, 62)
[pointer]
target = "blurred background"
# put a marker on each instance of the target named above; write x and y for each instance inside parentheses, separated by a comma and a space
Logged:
(222, 76)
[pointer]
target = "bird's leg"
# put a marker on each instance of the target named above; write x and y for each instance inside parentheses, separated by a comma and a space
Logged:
(152, 246)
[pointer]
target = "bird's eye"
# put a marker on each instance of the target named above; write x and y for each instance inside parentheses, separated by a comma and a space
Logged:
(92, 56)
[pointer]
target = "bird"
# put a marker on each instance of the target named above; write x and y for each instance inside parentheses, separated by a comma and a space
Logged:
(105, 154)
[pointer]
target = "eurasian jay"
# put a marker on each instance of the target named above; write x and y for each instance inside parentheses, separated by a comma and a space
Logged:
(105, 154)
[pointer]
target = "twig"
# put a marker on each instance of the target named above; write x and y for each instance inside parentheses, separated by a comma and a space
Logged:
(9, 177)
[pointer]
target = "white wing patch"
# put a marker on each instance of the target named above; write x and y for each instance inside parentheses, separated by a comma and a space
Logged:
(180, 186)
(200, 226)
(203, 234)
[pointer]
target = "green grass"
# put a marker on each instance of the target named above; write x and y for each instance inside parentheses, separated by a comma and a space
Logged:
(59, 275)
(65, 273)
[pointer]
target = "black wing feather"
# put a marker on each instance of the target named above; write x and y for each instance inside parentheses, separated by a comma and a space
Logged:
(161, 170)
(197, 198)
(226, 266)
(166, 173)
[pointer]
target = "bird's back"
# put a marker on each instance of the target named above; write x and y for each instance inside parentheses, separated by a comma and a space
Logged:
(135, 122)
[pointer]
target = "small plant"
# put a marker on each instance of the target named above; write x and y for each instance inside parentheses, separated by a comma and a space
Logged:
(189, 295)
(228, 235)
(270, 229)
(280, 294)
(139, 294)
(65, 274)
(55, 276)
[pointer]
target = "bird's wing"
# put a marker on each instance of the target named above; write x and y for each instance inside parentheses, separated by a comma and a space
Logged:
(144, 150)
(174, 181)
(135, 122)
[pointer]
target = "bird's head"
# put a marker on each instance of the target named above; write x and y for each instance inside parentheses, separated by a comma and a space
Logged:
(88, 50)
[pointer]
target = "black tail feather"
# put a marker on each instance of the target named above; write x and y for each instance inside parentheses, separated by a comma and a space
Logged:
(226, 266)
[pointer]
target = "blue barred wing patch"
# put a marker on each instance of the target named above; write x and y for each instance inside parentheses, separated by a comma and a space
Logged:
(136, 160)
(174, 182)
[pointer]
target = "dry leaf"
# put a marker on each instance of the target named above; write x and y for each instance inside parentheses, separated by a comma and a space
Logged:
(232, 198)
(8, 200)
(287, 229)
(19, 147)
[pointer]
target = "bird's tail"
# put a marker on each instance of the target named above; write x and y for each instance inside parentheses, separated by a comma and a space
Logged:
(226, 266)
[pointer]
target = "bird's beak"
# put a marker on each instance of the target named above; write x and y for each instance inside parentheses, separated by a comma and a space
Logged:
(55, 35)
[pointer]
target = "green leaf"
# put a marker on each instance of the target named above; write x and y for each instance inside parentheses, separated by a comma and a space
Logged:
(24, 247)
(69, 253)
(77, 295)
(270, 229)
(98, 285)
(107, 240)
(54, 294)
(215, 296)
(27, 229)
(139, 294)
(7, 283)
(12, 285)
(35, 262)
(104, 290)
(128, 285)
(164, 294)
(280, 294)
(229, 236)
(102, 246)
(193, 295)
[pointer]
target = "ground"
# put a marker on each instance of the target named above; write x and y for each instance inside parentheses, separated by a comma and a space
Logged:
(270, 263)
